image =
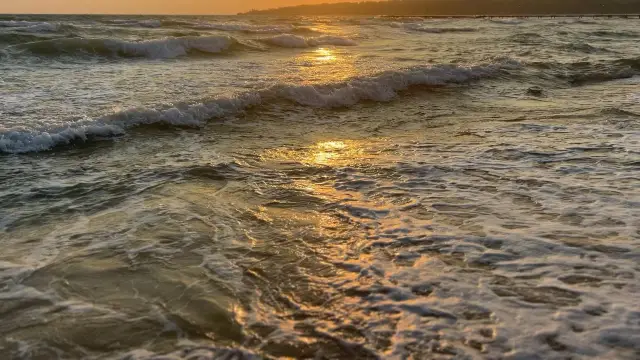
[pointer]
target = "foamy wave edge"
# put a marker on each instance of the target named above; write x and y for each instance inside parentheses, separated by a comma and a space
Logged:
(167, 48)
(380, 88)
(194, 352)
(29, 26)
(154, 49)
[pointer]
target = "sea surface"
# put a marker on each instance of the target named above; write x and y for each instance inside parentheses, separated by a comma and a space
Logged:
(319, 188)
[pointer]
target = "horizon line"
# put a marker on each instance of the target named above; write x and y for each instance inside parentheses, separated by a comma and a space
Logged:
(123, 14)
(263, 13)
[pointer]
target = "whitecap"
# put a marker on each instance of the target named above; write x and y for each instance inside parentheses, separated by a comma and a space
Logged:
(381, 88)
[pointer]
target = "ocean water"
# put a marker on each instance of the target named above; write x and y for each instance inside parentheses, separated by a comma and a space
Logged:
(319, 188)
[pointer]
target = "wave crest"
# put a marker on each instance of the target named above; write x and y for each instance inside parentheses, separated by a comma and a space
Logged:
(154, 49)
(382, 87)
(20, 23)
(164, 48)
(29, 26)
(438, 30)
(585, 72)
(507, 21)
(135, 23)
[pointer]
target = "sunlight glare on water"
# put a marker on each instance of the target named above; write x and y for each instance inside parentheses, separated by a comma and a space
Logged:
(327, 188)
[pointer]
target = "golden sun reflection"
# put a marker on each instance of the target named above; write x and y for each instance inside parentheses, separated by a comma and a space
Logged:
(325, 153)
(328, 151)
(325, 65)
(325, 55)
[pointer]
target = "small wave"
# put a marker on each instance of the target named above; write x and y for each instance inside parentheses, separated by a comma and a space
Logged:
(45, 27)
(401, 19)
(294, 41)
(438, 30)
(584, 47)
(13, 38)
(615, 34)
(619, 112)
(585, 72)
(633, 63)
(203, 25)
(253, 29)
(506, 21)
(526, 38)
(578, 21)
(176, 22)
(153, 49)
(20, 23)
(380, 88)
(29, 26)
(135, 23)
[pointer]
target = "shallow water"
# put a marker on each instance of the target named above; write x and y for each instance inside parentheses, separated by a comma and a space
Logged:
(319, 188)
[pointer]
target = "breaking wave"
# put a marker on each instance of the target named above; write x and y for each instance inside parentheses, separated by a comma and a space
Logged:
(156, 49)
(381, 88)
(153, 49)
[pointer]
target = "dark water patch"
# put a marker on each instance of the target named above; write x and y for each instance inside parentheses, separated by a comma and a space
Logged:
(583, 47)
(614, 34)
(13, 38)
(590, 72)
(619, 112)
(526, 38)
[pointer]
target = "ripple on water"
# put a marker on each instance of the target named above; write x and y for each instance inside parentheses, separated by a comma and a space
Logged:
(452, 236)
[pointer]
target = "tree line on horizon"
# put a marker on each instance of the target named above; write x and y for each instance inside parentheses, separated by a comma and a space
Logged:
(460, 7)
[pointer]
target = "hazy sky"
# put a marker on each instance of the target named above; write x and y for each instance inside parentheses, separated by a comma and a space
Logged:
(145, 6)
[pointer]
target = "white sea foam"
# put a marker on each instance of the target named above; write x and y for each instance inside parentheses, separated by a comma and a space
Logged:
(381, 88)
(20, 23)
(136, 23)
(194, 352)
(176, 47)
(39, 28)
(154, 49)
(167, 48)
(29, 26)
(519, 294)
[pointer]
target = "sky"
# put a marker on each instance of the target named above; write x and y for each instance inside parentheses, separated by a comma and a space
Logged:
(145, 6)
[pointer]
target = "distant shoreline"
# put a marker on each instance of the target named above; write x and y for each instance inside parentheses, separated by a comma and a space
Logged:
(464, 8)
(631, 16)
